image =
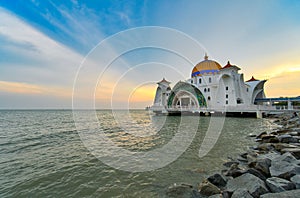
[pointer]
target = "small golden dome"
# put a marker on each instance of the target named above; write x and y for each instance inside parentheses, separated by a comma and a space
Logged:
(206, 67)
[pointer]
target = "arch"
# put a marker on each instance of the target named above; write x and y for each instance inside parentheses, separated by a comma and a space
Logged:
(185, 90)
(258, 91)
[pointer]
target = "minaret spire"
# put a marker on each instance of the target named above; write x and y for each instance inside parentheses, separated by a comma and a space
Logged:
(205, 57)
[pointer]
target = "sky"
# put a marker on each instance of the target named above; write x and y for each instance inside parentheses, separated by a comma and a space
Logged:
(51, 49)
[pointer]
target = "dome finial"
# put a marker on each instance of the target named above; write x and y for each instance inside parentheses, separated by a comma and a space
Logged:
(205, 57)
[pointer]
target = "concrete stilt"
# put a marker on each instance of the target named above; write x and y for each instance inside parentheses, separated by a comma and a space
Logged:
(259, 114)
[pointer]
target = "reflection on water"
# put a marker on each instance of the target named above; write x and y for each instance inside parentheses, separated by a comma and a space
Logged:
(41, 153)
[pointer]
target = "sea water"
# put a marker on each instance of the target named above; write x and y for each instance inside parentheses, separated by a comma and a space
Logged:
(43, 154)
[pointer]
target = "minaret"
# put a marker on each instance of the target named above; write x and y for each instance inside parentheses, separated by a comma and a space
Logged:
(162, 93)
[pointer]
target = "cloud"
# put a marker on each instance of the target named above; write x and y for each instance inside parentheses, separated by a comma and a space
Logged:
(32, 89)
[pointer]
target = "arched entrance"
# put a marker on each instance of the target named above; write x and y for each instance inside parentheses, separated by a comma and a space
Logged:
(185, 95)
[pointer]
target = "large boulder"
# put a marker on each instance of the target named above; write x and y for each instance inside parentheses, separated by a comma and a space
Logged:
(276, 184)
(206, 188)
(263, 165)
(241, 192)
(218, 180)
(296, 180)
(284, 166)
(285, 194)
(253, 184)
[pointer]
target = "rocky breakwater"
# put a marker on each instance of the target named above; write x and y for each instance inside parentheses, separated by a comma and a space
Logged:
(270, 169)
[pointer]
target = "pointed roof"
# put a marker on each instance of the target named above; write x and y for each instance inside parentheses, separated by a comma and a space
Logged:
(164, 81)
(231, 66)
(252, 79)
(227, 66)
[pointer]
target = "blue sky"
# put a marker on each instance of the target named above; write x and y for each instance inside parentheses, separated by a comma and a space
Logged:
(44, 42)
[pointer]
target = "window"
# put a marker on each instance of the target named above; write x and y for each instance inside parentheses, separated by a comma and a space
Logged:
(209, 80)
(208, 89)
(204, 89)
(208, 98)
(247, 89)
(239, 101)
(226, 88)
(226, 95)
(192, 81)
(226, 101)
(200, 81)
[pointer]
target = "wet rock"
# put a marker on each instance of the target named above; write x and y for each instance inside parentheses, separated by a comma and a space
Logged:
(230, 163)
(287, 139)
(181, 190)
(278, 147)
(216, 196)
(256, 173)
(276, 184)
(296, 180)
(206, 188)
(269, 139)
(266, 147)
(234, 171)
(294, 151)
(263, 165)
(253, 184)
(285, 194)
(241, 192)
(261, 134)
(284, 169)
(218, 180)
(226, 194)
(270, 155)
(287, 157)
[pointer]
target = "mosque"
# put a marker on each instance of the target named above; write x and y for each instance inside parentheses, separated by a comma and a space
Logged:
(212, 89)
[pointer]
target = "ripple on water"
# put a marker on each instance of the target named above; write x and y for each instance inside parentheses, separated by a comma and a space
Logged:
(42, 155)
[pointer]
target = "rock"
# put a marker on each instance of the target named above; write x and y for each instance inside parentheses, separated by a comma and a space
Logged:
(253, 184)
(263, 165)
(294, 151)
(234, 171)
(261, 134)
(181, 190)
(276, 184)
(283, 131)
(270, 155)
(241, 192)
(281, 146)
(218, 180)
(256, 173)
(287, 139)
(287, 157)
(226, 194)
(242, 160)
(285, 194)
(216, 196)
(206, 188)
(251, 158)
(293, 133)
(296, 180)
(266, 147)
(228, 164)
(269, 139)
(284, 170)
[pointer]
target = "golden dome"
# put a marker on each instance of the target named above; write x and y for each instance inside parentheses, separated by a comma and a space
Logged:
(206, 67)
